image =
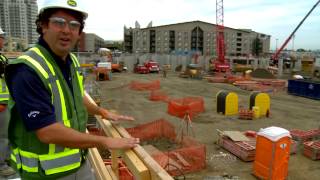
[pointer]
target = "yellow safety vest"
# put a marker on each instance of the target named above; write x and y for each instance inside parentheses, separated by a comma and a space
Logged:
(57, 159)
(4, 92)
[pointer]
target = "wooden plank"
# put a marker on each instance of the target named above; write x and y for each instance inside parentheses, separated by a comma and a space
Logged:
(235, 135)
(97, 164)
(136, 166)
(157, 172)
(150, 149)
(114, 162)
(109, 169)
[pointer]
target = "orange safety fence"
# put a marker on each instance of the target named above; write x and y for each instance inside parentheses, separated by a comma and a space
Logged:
(188, 105)
(153, 130)
(157, 95)
(188, 156)
(145, 86)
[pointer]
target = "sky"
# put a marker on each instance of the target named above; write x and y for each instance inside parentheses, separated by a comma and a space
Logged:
(277, 18)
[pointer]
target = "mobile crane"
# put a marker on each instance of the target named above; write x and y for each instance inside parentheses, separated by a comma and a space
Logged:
(275, 56)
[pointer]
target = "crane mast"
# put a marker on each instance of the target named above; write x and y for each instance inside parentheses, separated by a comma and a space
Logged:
(220, 63)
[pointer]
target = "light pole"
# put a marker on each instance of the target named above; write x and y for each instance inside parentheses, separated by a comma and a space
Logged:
(277, 44)
(293, 42)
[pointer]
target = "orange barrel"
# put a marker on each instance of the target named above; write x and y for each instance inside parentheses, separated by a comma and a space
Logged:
(272, 154)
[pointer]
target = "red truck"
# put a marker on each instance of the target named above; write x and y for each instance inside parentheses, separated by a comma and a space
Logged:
(152, 66)
(140, 69)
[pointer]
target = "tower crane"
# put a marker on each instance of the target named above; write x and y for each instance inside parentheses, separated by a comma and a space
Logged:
(220, 64)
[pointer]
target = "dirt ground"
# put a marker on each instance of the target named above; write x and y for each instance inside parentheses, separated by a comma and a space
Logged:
(287, 111)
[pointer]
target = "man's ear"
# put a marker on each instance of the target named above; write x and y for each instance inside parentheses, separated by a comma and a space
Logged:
(44, 27)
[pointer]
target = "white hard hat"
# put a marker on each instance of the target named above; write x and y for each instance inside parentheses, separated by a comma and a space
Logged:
(64, 4)
(1, 32)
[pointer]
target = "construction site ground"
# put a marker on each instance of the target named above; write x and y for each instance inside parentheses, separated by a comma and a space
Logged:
(287, 111)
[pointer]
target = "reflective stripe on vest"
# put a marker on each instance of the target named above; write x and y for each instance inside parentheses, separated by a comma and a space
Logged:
(4, 92)
(57, 95)
(79, 72)
(58, 159)
(51, 164)
(15, 157)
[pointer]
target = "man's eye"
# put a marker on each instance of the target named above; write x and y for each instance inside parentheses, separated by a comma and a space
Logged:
(60, 22)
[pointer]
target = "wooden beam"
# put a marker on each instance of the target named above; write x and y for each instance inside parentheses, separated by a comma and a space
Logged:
(136, 166)
(97, 164)
(109, 169)
(157, 172)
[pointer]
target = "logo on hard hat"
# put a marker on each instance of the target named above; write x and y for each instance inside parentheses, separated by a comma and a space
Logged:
(72, 3)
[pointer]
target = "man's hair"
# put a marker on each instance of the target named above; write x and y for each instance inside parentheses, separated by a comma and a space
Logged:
(43, 18)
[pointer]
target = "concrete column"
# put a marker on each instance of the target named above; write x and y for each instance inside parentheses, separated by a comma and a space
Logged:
(280, 67)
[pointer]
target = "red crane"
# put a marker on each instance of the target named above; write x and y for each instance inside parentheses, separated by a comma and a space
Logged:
(276, 54)
(220, 64)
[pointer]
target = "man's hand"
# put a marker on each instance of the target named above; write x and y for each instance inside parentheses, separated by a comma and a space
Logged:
(121, 143)
(114, 116)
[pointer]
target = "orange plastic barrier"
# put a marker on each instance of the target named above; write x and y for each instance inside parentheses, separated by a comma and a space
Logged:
(158, 128)
(188, 105)
(158, 96)
(142, 86)
(190, 156)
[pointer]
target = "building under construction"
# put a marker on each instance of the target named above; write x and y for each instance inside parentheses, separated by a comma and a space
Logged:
(193, 36)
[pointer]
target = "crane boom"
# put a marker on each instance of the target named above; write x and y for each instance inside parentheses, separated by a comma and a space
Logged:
(276, 54)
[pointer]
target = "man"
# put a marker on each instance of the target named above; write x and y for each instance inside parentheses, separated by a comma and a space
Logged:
(5, 170)
(48, 105)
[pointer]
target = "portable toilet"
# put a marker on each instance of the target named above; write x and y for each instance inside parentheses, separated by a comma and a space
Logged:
(227, 103)
(272, 154)
(261, 100)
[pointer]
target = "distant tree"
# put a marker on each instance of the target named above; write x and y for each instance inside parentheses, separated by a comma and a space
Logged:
(115, 45)
(301, 50)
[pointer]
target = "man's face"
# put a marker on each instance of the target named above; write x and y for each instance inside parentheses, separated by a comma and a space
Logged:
(1, 41)
(61, 33)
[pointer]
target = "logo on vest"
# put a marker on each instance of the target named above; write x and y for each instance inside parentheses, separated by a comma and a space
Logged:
(33, 114)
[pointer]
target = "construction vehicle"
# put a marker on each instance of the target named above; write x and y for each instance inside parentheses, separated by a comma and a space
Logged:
(220, 64)
(106, 56)
(193, 71)
(140, 69)
(152, 66)
(103, 71)
(275, 56)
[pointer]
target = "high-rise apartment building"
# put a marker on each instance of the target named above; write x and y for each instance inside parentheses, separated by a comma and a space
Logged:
(194, 36)
(17, 19)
